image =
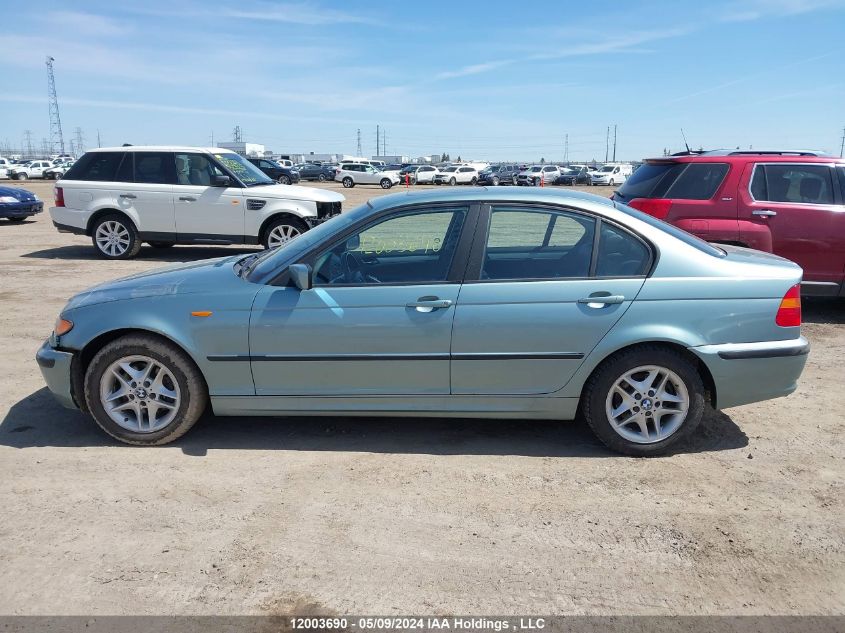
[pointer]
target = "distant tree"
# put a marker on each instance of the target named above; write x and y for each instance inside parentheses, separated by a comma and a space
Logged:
(542, 161)
(444, 157)
(459, 158)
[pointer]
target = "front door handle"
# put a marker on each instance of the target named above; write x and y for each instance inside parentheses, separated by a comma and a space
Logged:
(187, 199)
(600, 301)
(766, 213)
(131, 196)
(429, 304)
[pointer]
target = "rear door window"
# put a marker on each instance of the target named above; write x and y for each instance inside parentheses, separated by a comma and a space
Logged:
(699, 181)
(796, 184)
(620, 254)
(155, 168)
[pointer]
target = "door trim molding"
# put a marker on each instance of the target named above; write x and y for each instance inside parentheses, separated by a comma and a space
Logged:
(396, 357)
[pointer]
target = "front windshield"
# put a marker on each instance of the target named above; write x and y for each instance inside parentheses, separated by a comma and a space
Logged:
(607, 169)
(244, 170)
(451, 169)
(536, 168)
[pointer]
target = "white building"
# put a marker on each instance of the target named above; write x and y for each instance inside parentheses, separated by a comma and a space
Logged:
(245, 149)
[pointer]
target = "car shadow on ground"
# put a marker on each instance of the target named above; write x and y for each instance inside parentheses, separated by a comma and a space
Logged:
(8, 224)
(38, 420)
(173, 254)
(823, 310)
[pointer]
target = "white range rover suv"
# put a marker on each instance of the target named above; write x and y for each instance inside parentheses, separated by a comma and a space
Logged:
(122, 196)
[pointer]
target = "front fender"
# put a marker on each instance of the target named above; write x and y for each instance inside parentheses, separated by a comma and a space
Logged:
(299, 208)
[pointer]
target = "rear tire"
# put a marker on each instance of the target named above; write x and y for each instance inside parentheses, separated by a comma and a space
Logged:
(675, 418)
(115, 237)
(348, 182)
(174, 381)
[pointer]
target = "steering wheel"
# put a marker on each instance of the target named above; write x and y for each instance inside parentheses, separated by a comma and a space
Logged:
(353, 269)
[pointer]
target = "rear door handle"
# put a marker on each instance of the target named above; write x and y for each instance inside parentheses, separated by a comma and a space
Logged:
(131, 196)
(764, 212)
(429, 304)
(187, 199)
(602, 300)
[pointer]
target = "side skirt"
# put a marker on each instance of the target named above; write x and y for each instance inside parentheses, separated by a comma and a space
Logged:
(528, 407)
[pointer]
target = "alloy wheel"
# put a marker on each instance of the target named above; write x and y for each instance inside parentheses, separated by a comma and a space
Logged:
(281, 235)
(140, 394)
(647, 404)
(113, 238)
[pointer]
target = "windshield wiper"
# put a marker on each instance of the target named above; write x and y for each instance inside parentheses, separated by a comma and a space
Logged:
(260, 182)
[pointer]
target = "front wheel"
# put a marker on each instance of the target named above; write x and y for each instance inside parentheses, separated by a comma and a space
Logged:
(452, 181)
(115, 237)
(495, 181)
(20, 176)
(284, 180)
(385, 183)
(474, 181)
(322, 177)
(348, 182)
(612, 182)
(644, 400)
(282, 231)
(144, 391)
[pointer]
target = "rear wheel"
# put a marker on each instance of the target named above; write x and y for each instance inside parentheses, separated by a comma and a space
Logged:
(115, 237)
(145, 391)
(643, 401)
(282, 231)
(348, 182)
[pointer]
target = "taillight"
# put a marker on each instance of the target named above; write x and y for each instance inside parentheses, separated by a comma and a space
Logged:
(789, 310)
(658, 207)
(60, 196)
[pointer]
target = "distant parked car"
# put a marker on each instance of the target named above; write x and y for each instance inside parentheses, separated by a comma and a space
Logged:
(419, 174)
(321, 173)
(123, 196)
(611, 174)
(57, 171)
(574, 175)
(490, 303)
(5, 165)
(272, 169)
(31, 169)
(17, 204)
(790, 203)
(498, 175)
(351, 174)
(538, 174)
(456, 175)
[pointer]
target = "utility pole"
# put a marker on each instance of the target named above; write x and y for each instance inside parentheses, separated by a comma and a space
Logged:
(212, 138)
(98, 138)
(842, 146)
(614, 142)
(378, 140)
(607, 144)
(57, 139)
(384, 142)
(566, 150)
(79, 144)
(359, 143)
(28, 143)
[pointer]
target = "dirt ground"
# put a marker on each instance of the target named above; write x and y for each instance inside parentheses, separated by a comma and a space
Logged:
(403, 516)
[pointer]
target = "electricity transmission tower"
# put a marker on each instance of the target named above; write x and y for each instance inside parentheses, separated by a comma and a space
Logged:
(378, 140)
(28, 143)
(359, 143)
(566, 149)
(237, 135)
(79, 141)
(384, 142)
(57, 140)
(607, 144)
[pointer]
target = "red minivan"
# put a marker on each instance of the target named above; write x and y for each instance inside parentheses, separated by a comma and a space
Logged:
(791, 203)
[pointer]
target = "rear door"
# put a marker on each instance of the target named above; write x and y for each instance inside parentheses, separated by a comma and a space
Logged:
(799, 208)
(205, 213)
(536, 301)
(145, 187)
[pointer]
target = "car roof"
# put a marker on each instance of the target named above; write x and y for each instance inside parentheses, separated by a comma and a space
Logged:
(162, 148)
(490, 194)
(746, 156)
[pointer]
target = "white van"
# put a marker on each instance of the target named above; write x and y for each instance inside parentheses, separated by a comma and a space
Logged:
(612, 174)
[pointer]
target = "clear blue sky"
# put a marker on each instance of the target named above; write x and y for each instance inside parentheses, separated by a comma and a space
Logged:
(494, 80)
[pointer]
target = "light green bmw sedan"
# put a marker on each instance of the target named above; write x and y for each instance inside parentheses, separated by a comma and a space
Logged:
(530, 304)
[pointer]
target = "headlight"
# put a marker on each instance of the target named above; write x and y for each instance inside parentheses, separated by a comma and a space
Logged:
(63, 326)
(8, 200)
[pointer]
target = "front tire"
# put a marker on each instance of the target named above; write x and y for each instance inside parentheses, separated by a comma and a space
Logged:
(115, 237)
(322, 177)
(473, 181)
(452, 181)
(281, 231)
(145, 391)
(643, 401)
(284, 180)
(20, 176)
(348, 182)
(495, 181)
(385, 183)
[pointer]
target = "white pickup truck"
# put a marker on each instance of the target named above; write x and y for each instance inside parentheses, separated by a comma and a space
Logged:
(32, 169)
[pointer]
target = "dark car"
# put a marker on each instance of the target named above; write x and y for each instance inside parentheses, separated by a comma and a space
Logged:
(577, 175)
(17, 204)
(498, 175)
(311, 171)
(272, 169)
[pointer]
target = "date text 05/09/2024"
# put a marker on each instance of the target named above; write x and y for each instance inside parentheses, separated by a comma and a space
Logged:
(412, 623)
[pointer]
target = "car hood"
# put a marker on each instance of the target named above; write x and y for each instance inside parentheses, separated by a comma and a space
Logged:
(293, 192)
(18, 194)
(211, 274)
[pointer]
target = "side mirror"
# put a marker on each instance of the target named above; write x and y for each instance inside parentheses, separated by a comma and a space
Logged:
(301, 275)
(221, 181)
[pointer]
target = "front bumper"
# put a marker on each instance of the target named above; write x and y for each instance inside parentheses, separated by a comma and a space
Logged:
(751, 372)
(21, 209)
(55, 366)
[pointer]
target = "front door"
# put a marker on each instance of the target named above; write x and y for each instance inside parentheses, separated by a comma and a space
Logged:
(378, 320)
(800, 207)
(205, 213)
(536, 302)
